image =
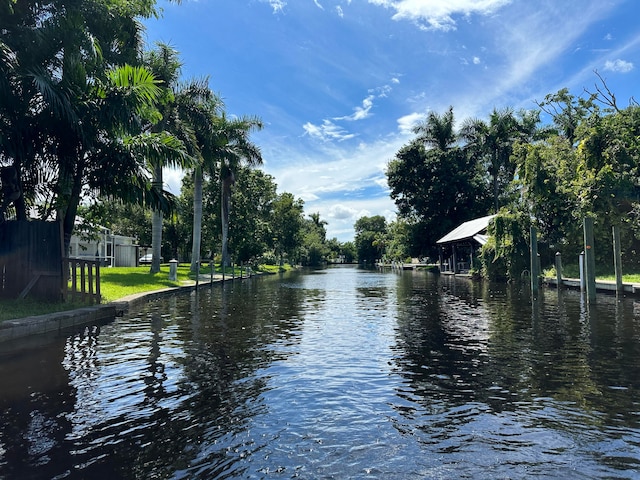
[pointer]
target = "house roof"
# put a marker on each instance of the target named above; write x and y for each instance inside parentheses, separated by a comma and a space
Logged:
(467, 230)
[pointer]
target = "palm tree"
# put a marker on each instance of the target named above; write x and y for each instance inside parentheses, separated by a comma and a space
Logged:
(492, 142)
(234, 147)
(56, 93)
(319, 225)
(437, 130)
(164, 62)
(200, 107)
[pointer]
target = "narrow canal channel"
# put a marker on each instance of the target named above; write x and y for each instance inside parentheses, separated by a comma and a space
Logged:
(340, 373)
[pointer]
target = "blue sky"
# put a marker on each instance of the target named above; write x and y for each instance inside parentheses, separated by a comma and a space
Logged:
(339, 83)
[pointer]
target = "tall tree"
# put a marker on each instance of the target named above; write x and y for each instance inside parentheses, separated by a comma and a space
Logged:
(491, 143)
(165, 63)
(200, 107)
(287, 224)
(437, 131)
(435, 191)
(234, 148)
(370, 238)
(63, 95)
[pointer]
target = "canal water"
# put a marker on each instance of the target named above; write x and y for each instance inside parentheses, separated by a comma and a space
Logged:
(334, 374)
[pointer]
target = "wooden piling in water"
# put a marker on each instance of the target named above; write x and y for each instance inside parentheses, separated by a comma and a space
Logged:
(617, 258)
(535, 272)
(590, 260)
(559, 270)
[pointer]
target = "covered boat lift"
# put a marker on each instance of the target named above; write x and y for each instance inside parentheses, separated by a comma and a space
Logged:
(459, 245)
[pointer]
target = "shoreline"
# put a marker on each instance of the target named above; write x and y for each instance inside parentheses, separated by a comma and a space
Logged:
(37, 326)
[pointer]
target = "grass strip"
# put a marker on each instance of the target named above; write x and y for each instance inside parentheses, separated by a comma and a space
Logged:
(116, 283)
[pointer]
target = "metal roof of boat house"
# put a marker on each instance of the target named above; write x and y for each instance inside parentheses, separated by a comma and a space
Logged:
(468, 230)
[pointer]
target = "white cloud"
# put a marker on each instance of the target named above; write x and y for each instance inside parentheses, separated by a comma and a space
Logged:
(318, 4)
(438, 14)
(360, 113)
(407, 122)
(476, 60)
(618, 65)
(277, 5)
(339, 11)
(342, 212)
(342, 183)
(327, 131)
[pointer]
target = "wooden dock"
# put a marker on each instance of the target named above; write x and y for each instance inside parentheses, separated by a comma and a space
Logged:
(607, 286)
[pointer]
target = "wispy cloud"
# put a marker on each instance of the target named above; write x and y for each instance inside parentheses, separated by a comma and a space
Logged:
(276, 5)
(620, 66)
(327, 131)
(360, 112)
(341, 183)
(438, 14)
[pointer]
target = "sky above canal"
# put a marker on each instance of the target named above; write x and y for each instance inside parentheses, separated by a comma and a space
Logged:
(340, 83)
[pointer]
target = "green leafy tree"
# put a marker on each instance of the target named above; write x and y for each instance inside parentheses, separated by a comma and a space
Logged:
(250, 229)
(370, 236)
(287, 223)
(398, 240)
(435, 190)
(491, 144)
(349, 251)
(314, 251)
(74, 90)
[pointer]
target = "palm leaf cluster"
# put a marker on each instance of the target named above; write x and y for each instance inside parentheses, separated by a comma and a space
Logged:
(85, 113)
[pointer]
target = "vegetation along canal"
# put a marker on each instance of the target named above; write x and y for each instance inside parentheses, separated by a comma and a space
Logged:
(339, 373)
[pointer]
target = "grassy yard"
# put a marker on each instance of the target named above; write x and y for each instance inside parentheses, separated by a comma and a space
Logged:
(115, 283)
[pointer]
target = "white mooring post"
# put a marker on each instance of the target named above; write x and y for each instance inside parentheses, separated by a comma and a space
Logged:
(173, 270)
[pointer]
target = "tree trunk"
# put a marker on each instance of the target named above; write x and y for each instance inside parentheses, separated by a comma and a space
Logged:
(69, 188)
(156, 225)
(197, 219)
(225, 202)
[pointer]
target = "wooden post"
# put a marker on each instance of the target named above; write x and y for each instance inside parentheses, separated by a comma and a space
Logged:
(559, 270)
(534, 261)
(617, 259)
(590, 260)
(455, 260)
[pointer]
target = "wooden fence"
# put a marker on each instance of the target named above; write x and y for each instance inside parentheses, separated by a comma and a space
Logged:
(82, 280)
(30, 260)
(32, 264)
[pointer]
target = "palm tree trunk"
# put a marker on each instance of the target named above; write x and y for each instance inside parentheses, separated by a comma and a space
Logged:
(197, 219)
(156, 224)
(225, 202)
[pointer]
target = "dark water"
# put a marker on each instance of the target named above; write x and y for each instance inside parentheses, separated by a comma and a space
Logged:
(340, 373)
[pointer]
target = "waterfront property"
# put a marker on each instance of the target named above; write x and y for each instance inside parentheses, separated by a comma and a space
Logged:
(458, 247)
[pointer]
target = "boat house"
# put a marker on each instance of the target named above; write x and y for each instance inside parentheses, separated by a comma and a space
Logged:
(457, 248)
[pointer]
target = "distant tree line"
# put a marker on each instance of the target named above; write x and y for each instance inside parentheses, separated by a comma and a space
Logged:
(89, 118)
(583, 162)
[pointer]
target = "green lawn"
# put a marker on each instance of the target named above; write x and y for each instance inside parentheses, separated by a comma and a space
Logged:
(119, 282)
(115, 283)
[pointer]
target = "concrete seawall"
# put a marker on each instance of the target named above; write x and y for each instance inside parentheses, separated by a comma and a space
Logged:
(69, 320)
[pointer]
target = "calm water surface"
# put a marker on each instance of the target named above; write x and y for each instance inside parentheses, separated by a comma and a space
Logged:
(340, 373)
